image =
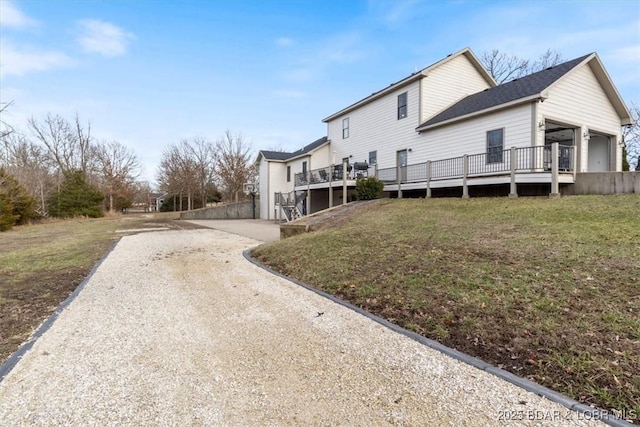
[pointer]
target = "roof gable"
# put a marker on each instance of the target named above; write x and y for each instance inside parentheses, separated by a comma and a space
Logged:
(471, 57)
(522, 89)
(281, 156)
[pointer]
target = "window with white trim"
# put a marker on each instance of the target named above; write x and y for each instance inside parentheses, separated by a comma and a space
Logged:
(402, 105)
(288, 173)
(495, 146)
(373, 157)
(345, 128)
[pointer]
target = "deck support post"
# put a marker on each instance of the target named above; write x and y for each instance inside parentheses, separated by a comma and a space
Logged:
(399, 180)
(331, 185)
(555, 188)
(513, 191)
(428, 179)
(344, 182)
(308, 200)
(465, 173)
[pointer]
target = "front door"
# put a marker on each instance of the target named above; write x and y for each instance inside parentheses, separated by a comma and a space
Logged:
(401, 164)
(598, 154)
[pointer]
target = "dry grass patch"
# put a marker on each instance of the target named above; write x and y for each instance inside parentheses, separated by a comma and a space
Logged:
(41, 264)
(546, 289)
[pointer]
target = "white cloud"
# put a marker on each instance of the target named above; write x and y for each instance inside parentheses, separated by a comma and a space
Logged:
(285, 42)
(11, 16)
(394, 13)
(290, 94)
(103, 37)
(19, 62)
(345, 48)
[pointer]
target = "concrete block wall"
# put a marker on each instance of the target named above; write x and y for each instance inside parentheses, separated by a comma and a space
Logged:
(605, 183)
(241, 210)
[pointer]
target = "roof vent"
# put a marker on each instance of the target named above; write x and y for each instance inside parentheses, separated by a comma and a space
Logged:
(549, 68)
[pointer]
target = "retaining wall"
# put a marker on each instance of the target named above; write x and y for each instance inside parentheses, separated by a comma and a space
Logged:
(241, 210)
(605, 183)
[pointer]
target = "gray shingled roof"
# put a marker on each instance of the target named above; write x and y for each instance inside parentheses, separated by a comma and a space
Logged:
(275, 155)
(507, 92)
(282, 156)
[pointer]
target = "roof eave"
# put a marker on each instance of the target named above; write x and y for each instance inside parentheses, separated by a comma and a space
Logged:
(610, 89)
(376, 95)
(528, 99)
(308, 153)
(417, 76)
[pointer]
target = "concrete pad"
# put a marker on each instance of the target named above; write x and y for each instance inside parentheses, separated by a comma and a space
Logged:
(258, 229)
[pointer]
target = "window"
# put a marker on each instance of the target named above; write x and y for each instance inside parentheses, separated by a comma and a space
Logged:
(402, 105)
(304, 167)
(288, 173)
(373, 157)
(495, 145)
(345, 128)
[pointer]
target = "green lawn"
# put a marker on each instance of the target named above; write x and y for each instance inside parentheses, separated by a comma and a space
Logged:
(546, 289)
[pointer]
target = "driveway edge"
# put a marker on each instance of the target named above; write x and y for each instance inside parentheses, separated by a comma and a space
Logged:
(571, 404)
(13, 360)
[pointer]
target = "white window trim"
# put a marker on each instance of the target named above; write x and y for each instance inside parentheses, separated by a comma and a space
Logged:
(345, 129)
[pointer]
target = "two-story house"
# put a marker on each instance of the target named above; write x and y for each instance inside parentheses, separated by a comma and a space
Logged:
(450, 127)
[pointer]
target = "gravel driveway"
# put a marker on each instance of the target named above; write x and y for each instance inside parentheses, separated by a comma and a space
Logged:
(177, 328)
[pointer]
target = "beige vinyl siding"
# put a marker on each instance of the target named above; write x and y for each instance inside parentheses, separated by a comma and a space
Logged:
(296, 168)
(470, 136)
(264, 189)
(273, 179)
(449, 83)
(579, 100)
(376, 126)
(321, 157)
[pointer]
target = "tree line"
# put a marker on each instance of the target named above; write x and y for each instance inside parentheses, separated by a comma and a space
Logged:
(56, 168)
(195, 172)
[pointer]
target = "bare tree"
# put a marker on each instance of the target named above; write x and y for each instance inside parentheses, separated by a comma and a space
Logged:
(67, 144)
(233, 164)
(203, 156)
(143, 195)
(504, 67)
(631, 139)
(118, 168)
(28, 163)
(5, 128)
(177, 174)
(548, 59)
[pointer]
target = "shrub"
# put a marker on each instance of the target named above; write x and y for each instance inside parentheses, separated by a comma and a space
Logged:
(7, 218)
(368, 188)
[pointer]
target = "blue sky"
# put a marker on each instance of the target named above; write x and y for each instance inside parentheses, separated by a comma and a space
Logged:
(150, 73)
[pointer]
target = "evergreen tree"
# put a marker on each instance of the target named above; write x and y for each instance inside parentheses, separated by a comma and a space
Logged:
(16, 206)
(625, 161)
(76, 198)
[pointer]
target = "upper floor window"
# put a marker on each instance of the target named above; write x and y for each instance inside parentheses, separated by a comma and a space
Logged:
(345, 128)
(402, 105)
(373, 157)
(495, 146)
(288, 173)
